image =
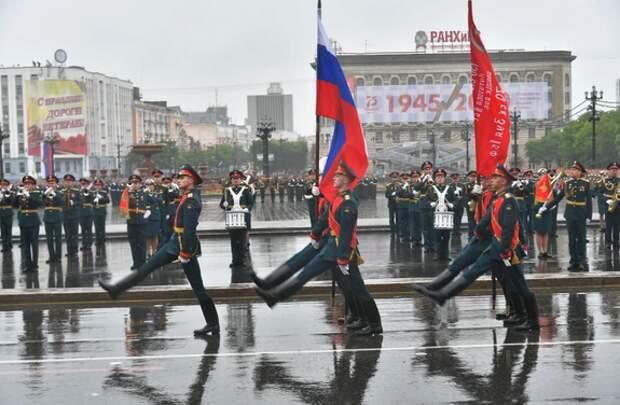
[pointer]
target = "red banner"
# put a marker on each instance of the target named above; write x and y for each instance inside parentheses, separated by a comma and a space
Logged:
(491, 112)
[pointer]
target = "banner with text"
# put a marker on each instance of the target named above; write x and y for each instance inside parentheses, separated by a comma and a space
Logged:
(442, 102)
(56, 108)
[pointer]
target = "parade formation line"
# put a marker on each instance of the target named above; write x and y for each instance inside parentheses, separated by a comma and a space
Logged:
(418, 350)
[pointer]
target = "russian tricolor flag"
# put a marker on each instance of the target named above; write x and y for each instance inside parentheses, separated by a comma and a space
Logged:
(47, 160)
(334, 100)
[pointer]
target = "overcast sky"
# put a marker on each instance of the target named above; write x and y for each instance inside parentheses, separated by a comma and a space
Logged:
(181, 51)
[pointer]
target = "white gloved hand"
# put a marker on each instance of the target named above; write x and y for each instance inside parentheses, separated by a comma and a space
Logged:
(393, 193)
(183, 260)
(542, 210)
(457, 193)
(167, 216)
(147, 214)
(315, 244)
(225, 204)
(405, 186)
(450, 205)
(433, 204)
(71, 203)
(315, 191)
(609, 202)
(344, 269)
(26, 193)
(246, 210)
(415, 193)
(477, 189)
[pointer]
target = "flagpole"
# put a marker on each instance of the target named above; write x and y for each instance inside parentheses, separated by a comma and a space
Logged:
(317, 138)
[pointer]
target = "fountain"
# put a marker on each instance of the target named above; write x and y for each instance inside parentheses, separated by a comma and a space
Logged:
(147, 150)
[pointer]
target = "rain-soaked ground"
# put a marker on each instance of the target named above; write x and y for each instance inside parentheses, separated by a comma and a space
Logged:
(384, 258)
(297, 354)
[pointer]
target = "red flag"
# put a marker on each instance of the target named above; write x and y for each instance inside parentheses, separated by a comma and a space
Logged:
(491, 112)
(123, 206)
(542, 192)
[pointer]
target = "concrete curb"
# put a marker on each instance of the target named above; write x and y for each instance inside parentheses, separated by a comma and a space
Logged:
(317, 289)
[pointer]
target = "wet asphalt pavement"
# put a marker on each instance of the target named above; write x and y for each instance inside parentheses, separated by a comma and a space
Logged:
(296, 354)
(384, 258)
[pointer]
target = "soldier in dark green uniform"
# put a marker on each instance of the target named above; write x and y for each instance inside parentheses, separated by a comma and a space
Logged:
(441, 194)
(53, 201)
(238, 196)
(391, 189)
(137, 217)
(6, 215)
(290, 189)
(472, 193)
(415, 220)
(262, 188)
(426, 211)
(101, 200)
(458, 190)
(311, 195)
(185, 247)
(153, 225)
(271, 184)
(281, 184)
(578, 210)
(86, 214)
(299, 188)
(403, 195)
(611, 191)
(28, 201)
(530, 185)
(170, 202)
(71, 214)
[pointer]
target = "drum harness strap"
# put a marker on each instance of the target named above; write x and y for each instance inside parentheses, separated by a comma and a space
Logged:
(441, 199)
(236, 196)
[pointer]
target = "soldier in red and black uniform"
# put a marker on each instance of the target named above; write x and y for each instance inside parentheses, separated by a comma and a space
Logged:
(185, 247)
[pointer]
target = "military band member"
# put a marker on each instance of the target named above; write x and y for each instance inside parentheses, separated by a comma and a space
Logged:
(578, 210)
(53, 202)
(530, 213)
(170, 202)
(28, 201)
(519, 191)
(415, 219)
(290, 189)
(598, 191)
(611, 186)
(7, 196)
(426, 211)
(403, 195)
(299, 188)
(86, 214)
(137, 217)
(238, 196)
(71, 214)
(438, 193)
(391, 189)
(470, 200)
(100, 202)
(185, 247)
(458, 190)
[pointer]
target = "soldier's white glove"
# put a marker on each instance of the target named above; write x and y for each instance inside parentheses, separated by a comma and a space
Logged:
(405, 186)
(609, 202)
(457, 192)
(477, 189)
(315, 191)
(344, 269)
(433, 204)
(26, 193)
(542, 210)
(450, 205)
(147, 214)
(167, 216)
(516, 183)
(415, 193)
(315, 244)
(393, 193)
(71, 203)
(308, 196)
(183, 260)
(225, 204)
(246, 210)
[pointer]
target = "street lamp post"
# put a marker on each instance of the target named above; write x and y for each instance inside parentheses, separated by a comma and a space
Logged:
(431, 138)
(4, 134)
(263, 131)
(51, 141)
(465, 136)
(593, 98)
(514, 119)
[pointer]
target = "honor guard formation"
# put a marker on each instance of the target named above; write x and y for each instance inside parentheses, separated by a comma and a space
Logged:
(426, 208)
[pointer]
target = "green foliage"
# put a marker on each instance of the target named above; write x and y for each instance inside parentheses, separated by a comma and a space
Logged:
(574, 142)
(287, 156)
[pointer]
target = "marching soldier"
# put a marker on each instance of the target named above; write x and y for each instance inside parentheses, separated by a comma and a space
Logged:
(611, 186)
(578, 209)
(136, 221)
(185, 247)
(86, 214)
(439, 193)
(71, 214)
(519, 191)
(458, 190)
(238, 196)
(281, 185)
(415, 220)
(28, 202)
(391, 189)
(262, 188)
(170, 202)
(299, 188)
(530, 214)
(426, 211)
(100, 202)
(403, 195)
(290, 189)
(6, 215)
(311, 195)
(272, 189)
(53, 201)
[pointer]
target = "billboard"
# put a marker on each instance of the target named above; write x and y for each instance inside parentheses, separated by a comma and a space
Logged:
(57, 108)
(442, 102)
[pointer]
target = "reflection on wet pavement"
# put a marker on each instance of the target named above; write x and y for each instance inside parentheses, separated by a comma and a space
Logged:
(384, 258)
(297, 354)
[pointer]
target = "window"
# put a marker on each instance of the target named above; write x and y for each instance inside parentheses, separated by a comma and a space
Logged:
(514, 78)
(567, 98)
(37, 166)
(531, 133)
(411, 81)
(379, 137)
(530, 78)
(377, 81)
(359, 82)
(34, 77)
(446, 134)
(446, 80)
(547, 131)
(547, 79)
(20, 149)
(20, 128)
(428, 80)
(7, 167)
(394, 81)
(22, 167)
(566, 80)
(413, 136)
(395, 136)
(7, 148)
(464, 79)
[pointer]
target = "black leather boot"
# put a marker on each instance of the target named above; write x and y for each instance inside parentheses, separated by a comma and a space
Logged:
(274, 278)
(438, 282)
(531, 307)
(211, 318)
(122, 285)
(450, 290)
(517, 312)
(213, 330)
(280, 292)
(373, 319)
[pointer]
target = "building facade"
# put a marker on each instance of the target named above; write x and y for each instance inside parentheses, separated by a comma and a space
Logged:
(275, 106)
(404, 143)
(105, 117)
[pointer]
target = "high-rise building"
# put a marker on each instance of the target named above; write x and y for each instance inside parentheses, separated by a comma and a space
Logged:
(275, 106)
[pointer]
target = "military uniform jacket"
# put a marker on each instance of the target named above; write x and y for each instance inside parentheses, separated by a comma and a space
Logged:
(403, 195)
(138, 201)
(423, 188)
(186, 222)
(507, 217)
(245, 201)
(53, 203)
(153, 203)
(28, 208)
(72, 204)
(434, 197)
(88, 204)
(6, 203)
(578, 199)
(609, 186)
(170, 202)
(100, 201)
(342, 244)
(390, 189)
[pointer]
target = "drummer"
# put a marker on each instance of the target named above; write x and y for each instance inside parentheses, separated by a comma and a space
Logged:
(238, 197)
(442, 200)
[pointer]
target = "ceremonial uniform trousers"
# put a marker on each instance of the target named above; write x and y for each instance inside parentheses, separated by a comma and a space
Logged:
(612, 219)
(86, 224)
(427, 215)
(136, 231)
(6, 226)
(71, 224)
(415, 222)
(52, 218)
(402, 204)
(459, 207)
(29, 223)
(100, 214)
